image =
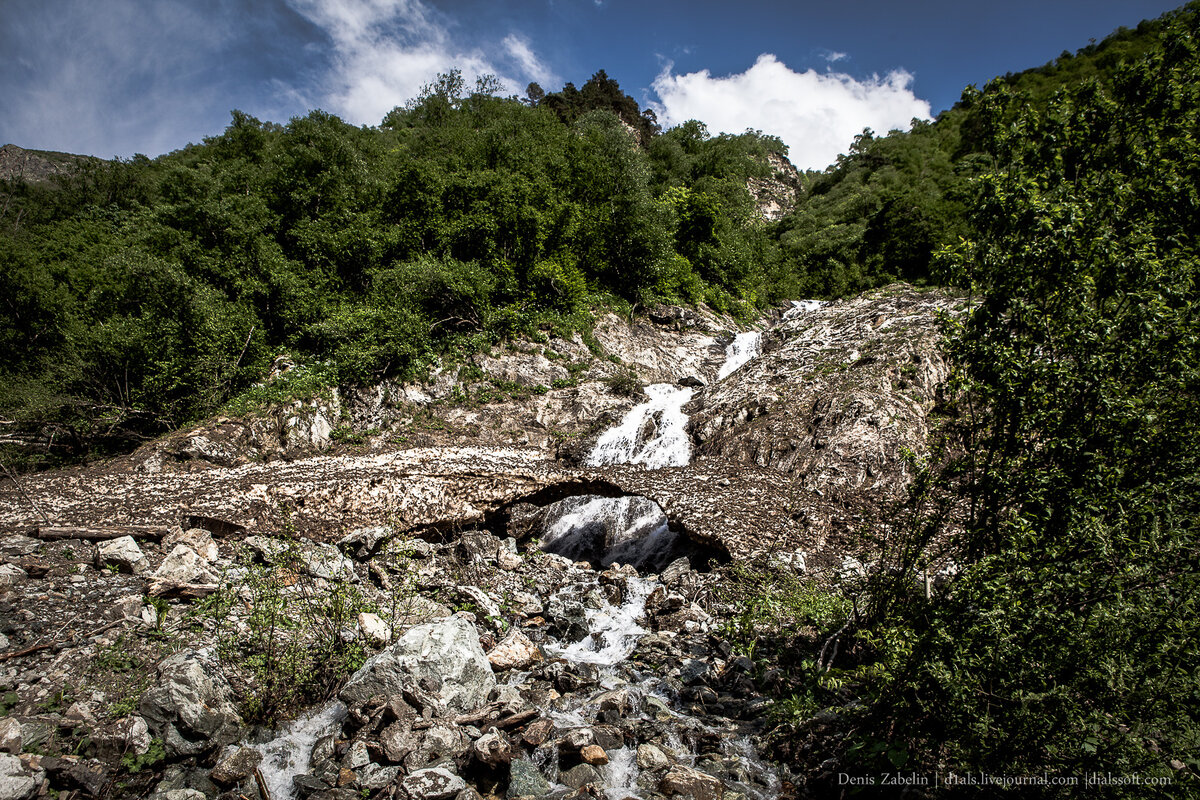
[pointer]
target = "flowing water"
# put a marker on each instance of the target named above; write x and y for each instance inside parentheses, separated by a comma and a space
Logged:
(744, 347)
(289, 753)
(623, 530)
(604, 530)
(653, 434)
(800, 307)
(614, 631)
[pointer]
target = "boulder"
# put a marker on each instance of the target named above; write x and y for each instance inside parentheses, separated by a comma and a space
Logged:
(190, 707)
(651, 758)
(691, 783)
(445, 654)
(235, 765)
(129, 735)
(122, 553)
(18, 782)
(361, 542)
(580, 775)
(316, 559)
(374, 629)
(185, 565)
(525, 780)
(436, 783)
(197, 539)
(10, 735)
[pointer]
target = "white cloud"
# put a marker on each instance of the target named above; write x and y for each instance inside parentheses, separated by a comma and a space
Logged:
(833, 56)
(519, 51)
(105, 80)
(816, 114)
(385, 51)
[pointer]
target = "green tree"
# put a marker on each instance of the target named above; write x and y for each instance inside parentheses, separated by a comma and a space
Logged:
(1070, 641)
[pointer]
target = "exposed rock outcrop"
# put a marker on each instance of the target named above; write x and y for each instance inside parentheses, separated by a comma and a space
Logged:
(17, 163)
(838, 396)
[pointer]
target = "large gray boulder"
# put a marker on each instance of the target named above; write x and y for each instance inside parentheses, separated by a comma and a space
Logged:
(18, 780)
(443, 658)
(190, 707)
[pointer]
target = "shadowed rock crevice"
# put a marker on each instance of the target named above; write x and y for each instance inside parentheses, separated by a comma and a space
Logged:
(610, 529)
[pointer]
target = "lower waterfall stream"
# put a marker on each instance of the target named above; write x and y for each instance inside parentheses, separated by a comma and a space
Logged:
(598, 652)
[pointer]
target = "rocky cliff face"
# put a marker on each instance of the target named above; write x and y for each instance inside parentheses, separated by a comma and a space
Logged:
(17, 163)
(771, 441)
(776, 195)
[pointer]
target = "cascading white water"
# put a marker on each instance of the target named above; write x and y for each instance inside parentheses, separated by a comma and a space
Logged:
(621, 774)
(744, 347)
(802, 307)
(653, 434)
(614, 631)
(607, 530)
(289, 753)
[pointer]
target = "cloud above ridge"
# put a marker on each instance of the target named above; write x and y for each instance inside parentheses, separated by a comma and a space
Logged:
(817, 114)
(385, 51)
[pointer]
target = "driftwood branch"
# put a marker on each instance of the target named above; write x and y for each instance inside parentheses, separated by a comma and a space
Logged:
(187, 591)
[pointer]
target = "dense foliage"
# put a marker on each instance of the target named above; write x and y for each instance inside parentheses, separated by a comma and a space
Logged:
(1066, 494)
(142, 294)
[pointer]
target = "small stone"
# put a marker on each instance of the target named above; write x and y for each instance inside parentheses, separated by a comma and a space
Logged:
(493, 749)
(594, 754)
(10, 735)
(651, 758)
(179, 794)
(236, 765)
(346, 777)
(691, 783)
(435, 783)
(398, 741)
(508, 560)
(127, 607)
(122, 553)
(538, 731)
(376, 631)
(357, 756)
(516, 651)
(10, 574)
(577, 739)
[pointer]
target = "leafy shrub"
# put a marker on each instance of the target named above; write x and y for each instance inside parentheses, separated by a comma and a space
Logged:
(624, 382)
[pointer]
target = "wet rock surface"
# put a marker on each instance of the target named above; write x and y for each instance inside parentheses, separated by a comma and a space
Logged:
(511, 624)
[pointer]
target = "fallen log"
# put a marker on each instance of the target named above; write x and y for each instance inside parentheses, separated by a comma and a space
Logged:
(100, 534)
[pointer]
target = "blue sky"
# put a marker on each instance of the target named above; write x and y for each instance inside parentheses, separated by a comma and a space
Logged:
(117, 77)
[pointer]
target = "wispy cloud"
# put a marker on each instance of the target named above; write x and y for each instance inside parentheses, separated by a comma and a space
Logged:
(833, 56)
(102, 80)
(816, 114)
(384, 51)
(522, 54)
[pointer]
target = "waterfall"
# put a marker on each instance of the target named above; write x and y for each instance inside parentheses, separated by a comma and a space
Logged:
(652, 434)
(744, 347)
(802, 307)
(614, 631)
(289, 753)
(608, 530)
